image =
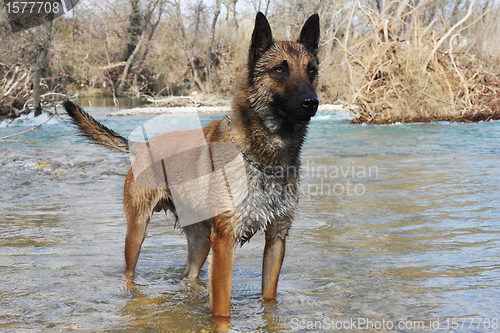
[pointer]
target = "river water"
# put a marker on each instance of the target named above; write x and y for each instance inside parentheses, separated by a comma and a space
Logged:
(398, 230)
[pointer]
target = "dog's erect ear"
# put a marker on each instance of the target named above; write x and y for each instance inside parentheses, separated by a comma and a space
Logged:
(309, 36)
(262, 38)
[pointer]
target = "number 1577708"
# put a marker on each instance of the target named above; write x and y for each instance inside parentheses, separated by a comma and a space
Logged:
(33, 7)
(470, 323)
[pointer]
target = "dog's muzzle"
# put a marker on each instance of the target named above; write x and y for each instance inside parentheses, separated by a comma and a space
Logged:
(309, 105)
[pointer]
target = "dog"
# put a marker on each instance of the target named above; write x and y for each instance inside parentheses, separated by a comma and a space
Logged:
(274, 101)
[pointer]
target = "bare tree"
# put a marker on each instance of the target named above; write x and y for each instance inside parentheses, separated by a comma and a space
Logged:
(188, 49)
(42, 47)
(259, 6)
(211, 45)
(134, 30)
(160, 6)
(231, 12)
(153, 6)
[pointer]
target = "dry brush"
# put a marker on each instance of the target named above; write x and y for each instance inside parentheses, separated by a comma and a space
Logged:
(425, 78)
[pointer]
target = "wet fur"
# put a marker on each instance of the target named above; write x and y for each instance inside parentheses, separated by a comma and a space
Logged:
(273, 102)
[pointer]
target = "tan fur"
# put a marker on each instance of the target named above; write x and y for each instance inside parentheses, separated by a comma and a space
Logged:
(273, 102)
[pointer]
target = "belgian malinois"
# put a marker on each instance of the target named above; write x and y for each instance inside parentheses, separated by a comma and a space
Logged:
(273, 103)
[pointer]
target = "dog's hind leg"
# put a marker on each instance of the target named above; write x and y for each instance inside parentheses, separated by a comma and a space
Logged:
(136, 232)
(274, 252)
(139, 204)
(198, 239)
(137, 223)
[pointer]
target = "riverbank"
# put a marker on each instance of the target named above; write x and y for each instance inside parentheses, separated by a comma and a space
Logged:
(202, 109)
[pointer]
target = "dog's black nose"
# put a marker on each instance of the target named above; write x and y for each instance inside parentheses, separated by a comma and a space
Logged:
(310, 104)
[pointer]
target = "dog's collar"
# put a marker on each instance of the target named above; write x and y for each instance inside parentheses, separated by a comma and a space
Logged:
(255, 164)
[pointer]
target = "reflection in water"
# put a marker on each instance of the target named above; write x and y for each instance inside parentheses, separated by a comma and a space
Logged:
(415, 240)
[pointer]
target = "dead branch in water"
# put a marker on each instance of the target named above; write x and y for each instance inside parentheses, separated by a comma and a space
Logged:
(15, 87)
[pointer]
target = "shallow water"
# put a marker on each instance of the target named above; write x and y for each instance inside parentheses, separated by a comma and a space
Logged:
(398, 228)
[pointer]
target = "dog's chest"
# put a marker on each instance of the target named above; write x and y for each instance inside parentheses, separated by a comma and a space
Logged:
(270, 200)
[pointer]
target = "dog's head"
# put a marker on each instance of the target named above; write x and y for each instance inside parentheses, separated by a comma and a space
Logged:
(283, 76)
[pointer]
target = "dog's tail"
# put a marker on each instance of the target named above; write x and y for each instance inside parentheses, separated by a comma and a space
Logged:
(95, 131)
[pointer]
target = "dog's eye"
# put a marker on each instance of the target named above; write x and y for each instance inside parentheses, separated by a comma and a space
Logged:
(279, 69)
(312, 70)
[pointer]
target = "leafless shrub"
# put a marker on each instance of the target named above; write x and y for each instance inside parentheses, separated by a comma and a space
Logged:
(415, 80)
(13, 88)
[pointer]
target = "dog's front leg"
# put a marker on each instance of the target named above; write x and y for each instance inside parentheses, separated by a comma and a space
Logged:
(274, 252)
(221, 272)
